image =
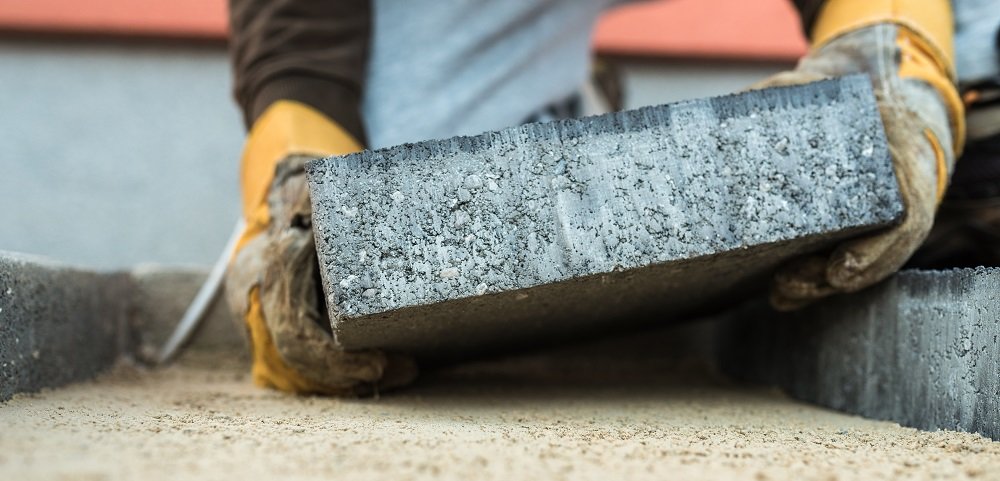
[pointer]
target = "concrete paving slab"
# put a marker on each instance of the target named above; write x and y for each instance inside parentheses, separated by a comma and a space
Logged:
(573, 227)
(921, 349)
(57, 324)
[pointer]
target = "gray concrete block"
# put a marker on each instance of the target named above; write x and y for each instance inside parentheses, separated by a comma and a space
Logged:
(574, 227)
(60, 324)
(57, 324)
(920, 349)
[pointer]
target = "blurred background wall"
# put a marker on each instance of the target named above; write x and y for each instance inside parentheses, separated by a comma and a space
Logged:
(119, 139)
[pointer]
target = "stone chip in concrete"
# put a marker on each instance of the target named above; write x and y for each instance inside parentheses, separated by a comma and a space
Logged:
(574, 227)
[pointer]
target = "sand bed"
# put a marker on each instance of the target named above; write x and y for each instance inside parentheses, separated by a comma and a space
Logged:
(565, 421)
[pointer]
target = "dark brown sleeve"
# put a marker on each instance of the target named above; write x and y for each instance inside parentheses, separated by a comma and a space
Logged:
(311, 51)
(808, 11)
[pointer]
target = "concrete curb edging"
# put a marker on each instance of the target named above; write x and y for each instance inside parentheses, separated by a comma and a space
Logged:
(163, 293)
(921, 349)
(58, 324)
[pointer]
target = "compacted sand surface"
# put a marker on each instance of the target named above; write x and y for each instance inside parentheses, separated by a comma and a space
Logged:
(519, 420)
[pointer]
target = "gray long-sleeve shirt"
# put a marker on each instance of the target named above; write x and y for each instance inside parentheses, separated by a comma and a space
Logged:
(457, 67)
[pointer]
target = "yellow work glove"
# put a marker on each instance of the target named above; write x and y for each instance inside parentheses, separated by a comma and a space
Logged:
(273, 279)
(905, 47)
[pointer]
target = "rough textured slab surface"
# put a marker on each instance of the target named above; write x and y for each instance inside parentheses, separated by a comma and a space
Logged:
(571, 227)
(921, 349)
(57, 324)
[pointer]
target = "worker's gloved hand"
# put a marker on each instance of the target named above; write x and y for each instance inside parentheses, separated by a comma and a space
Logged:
(273, 279)
(922, 114)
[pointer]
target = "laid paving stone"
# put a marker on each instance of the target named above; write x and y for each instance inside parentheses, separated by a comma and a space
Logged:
(162, 293)
(575, 227)
(60, 324)
(921, 349)
(57, 324)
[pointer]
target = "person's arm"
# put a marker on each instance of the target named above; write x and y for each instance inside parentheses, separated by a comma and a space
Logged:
(299, 67)
(309, 51)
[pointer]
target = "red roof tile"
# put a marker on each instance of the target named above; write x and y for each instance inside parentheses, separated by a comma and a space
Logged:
(744, 29)
(150, 18)
(750, 29)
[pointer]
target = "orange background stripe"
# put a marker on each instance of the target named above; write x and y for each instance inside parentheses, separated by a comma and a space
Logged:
(200, 19)
(735, 29)
(743, 29)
